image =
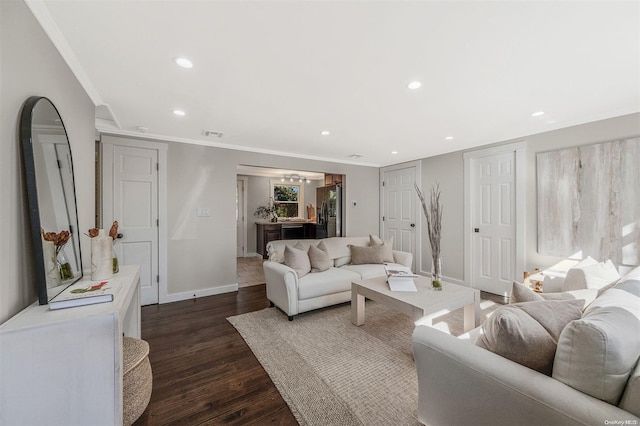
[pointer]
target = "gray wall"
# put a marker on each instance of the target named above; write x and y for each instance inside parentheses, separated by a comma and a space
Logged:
(448, 169)
(30, 65)
(202, 251)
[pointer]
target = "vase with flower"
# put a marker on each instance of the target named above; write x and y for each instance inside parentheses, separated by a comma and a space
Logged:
(433, 214)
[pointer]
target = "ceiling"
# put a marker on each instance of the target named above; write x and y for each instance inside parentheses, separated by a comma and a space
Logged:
(271, 75)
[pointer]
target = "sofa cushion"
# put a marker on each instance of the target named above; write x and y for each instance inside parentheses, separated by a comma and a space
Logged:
(366, 255)
(597, 353)
(590, 274)
(333, 280)
(522, 293)
(631, 397)
(527, 332)
(387, 244)
(319, 259)
(298, 260)
(367, 271)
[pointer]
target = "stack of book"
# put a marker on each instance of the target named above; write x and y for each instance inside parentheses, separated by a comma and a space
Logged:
(85, 294)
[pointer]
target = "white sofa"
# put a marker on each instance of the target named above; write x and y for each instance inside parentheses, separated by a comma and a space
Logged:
(462, 384)
(319, 289)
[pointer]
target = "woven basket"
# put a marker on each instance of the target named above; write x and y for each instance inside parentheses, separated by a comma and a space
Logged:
(137, 379)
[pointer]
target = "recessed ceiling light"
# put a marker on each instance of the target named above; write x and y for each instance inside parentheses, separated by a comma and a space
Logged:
(394, 152)
(179, 112)
(183, 62)
(355, 156)
(448, 138)
(414, 85)
(537, 114)
(325, 133)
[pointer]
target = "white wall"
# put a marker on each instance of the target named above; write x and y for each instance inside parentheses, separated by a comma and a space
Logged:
(30, 65)
(448, 169)
(202, 250)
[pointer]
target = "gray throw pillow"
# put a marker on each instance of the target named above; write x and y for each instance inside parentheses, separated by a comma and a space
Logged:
(527, 333)
(387, 244)
(319, 259)
(298, 260)
(367, 255)
(522, 293)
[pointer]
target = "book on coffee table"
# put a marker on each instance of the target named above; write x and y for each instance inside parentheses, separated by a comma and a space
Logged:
(401, 283)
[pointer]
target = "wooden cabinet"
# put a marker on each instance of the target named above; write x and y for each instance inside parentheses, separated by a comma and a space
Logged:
(267, 232)
(273, 231)
(65, 366)
(332, 179)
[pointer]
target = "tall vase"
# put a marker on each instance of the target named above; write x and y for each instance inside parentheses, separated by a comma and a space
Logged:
(52, 273)
(101, 257)
(436, 274)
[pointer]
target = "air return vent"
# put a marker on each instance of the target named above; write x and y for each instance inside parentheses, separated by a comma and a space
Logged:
(212, 133)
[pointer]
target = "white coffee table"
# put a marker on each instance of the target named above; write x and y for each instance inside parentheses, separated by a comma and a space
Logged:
(420, 306)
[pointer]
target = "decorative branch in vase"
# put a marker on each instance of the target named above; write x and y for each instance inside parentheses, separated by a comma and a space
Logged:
(433, 213)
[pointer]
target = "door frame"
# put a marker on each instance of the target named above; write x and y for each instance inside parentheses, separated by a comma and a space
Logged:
(417, 165)
(245, 184)
(107, 191)
(519, 148)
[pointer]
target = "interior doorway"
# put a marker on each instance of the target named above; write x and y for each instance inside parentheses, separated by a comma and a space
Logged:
(494, 217)
(241, 216)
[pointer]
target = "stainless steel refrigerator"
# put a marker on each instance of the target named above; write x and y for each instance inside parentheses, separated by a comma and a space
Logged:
(330, 219)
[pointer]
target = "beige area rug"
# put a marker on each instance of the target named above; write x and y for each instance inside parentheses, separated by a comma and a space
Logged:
(331, 372)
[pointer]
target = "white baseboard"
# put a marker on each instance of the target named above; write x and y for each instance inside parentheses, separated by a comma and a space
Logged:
(176, 297)
(446, 279)
(253, 254)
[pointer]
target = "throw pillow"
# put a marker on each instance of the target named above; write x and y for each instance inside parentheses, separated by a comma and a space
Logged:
(388, 246)
(588, 274)
(366, 255)
(319, 259)
(298, 260)
(598, 353)
(527, 333)
(522, 293)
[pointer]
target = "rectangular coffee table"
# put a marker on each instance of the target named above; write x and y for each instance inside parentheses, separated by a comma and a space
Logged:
(419, 306)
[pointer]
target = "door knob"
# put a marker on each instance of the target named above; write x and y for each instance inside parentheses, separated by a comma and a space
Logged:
(119, 236)
(413, 225)
(476, 229)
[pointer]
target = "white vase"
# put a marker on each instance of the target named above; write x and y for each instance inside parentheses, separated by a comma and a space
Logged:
(101, 257)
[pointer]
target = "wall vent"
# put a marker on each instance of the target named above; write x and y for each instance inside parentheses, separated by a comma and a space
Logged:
(212, 133)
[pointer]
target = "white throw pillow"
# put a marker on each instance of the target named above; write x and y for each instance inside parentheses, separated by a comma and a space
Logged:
(590, 274)
(597, 353)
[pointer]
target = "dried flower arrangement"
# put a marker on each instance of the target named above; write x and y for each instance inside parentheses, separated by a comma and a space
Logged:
(433, 213)
(59, 240)
(267, 211)
(113, 233)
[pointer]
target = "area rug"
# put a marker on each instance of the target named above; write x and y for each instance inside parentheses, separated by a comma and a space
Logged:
(331, 372)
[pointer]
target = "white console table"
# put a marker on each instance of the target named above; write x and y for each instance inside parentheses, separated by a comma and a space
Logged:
(64, 367)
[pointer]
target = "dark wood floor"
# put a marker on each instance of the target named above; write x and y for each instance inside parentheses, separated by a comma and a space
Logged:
(203, 372)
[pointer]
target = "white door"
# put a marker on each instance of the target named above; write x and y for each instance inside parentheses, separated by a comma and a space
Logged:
(493, 218)
(133, 203)
(240, 219)
(399, 208)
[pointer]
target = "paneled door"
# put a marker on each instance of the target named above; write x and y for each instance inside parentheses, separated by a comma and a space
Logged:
(398, 199)
(130, 196)
(494, 223)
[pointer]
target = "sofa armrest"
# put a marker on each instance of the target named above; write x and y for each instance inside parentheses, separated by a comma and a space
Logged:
(403, 258)
(282, 286)
(462, 384)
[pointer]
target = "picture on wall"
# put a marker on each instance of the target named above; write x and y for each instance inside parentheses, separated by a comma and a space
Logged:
(589, 201)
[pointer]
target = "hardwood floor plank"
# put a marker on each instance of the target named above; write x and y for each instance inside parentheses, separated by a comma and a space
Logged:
(203, 371)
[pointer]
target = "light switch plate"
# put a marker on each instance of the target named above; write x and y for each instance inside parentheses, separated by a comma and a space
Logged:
(203, 212)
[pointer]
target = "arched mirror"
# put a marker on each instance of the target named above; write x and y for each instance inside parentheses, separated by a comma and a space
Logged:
(52, 199)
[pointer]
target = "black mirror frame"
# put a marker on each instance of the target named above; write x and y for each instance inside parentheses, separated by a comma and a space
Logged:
(26, 141)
